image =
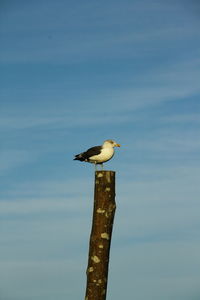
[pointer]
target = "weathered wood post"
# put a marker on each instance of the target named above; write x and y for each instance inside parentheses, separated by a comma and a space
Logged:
(101, 233)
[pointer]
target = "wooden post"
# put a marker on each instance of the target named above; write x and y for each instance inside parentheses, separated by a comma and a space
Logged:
(100, 238)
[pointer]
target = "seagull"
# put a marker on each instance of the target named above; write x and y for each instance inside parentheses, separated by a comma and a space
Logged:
(98, 154)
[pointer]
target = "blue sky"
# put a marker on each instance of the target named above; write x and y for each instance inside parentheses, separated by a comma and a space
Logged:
(73, 74)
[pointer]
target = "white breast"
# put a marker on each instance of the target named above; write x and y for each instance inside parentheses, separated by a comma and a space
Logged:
(105, 155)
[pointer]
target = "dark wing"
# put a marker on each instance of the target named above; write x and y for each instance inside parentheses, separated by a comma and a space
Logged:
(93, 151)
(84, 156)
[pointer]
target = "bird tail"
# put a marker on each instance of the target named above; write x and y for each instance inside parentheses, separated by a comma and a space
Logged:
(79, 157)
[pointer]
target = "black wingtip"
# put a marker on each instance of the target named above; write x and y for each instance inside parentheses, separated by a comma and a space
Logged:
(79, 158)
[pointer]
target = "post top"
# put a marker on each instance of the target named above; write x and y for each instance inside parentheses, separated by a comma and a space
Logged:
(105, 176)
(104, 171)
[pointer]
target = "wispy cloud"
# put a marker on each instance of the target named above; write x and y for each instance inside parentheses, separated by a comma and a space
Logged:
(182, 118)
(158, 267)
(72, 39)
(22, 274)
(48, 188)
(65, 120)
(81, 72)
(69, 205)
(175, 82)
(171, 142)
(14, 158)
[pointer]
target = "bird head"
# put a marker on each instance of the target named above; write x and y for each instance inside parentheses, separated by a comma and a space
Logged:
(111, 143)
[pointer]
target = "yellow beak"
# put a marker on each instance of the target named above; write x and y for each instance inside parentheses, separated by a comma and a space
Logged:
(118, 145)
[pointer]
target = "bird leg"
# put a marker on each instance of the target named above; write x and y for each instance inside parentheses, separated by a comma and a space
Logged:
(102, 167)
